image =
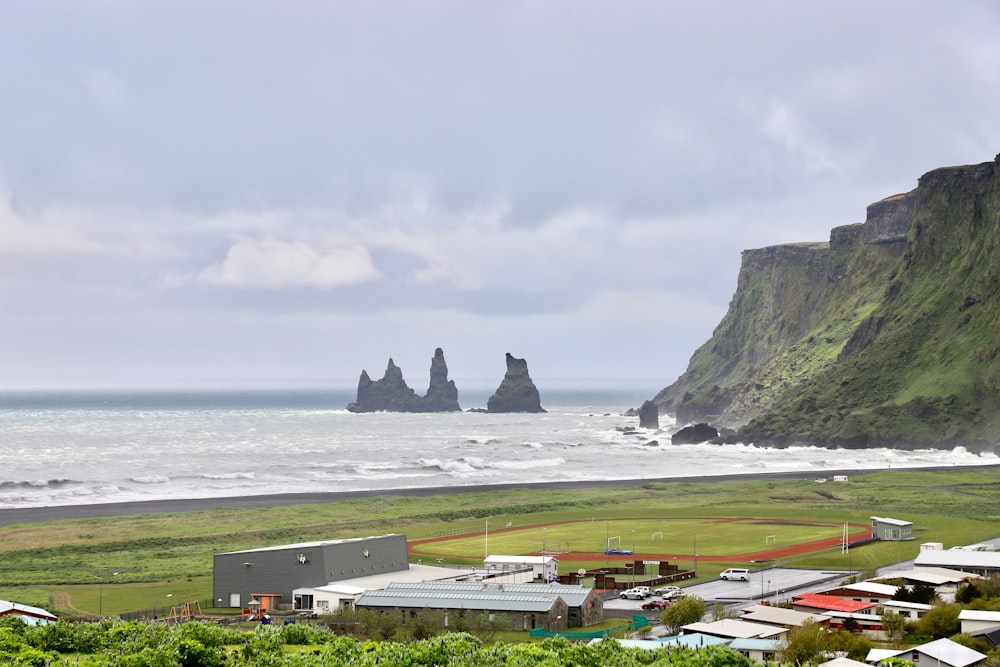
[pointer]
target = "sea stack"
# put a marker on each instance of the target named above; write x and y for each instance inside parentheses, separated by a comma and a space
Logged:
(649, 415)
(516, 393)
(391, 393)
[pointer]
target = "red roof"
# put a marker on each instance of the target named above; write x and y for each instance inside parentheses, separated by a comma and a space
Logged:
(830, 603)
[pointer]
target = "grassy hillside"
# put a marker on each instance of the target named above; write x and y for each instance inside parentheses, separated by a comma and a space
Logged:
(865, 343)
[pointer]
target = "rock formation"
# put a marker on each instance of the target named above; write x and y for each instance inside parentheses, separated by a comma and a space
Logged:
(649, 415)
(694, 435)
(516, 393)
(391, 394)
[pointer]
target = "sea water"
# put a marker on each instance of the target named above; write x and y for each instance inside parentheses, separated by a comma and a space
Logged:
(84, 447)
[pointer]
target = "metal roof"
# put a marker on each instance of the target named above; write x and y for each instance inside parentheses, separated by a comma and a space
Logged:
(953, 558)
(829, 602)
(439, 599)
(303, 545)
(935, 576)
(780, 616)
(756, 644)
(574, 596)
(892, 522)
(979, 615)
(869, 587)
(729, 627)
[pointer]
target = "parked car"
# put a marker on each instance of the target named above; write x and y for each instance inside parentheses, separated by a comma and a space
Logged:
(637, 593)
(732, 573)
(656, 604)
(669, 592)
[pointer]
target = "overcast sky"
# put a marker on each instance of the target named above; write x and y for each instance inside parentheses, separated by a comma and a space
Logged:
(208, 192)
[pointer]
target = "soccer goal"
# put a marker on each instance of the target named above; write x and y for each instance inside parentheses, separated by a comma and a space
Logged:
(658, 535)
(616, 540)
(770, 540)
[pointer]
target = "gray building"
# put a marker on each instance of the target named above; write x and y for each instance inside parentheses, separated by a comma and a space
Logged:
(894, 530)
(529, 606)
(268, 576)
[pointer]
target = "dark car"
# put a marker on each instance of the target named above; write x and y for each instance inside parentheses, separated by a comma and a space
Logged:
(655, 604)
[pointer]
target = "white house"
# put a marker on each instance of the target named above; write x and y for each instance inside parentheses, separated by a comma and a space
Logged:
(28, 614)
(939, 653)
(944, 581)
(545, 568)
(975, 619)
(909, 610)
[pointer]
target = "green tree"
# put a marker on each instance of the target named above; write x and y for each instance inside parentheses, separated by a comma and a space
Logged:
(940, 621)
(894, 625)
(803, 644)
(688, 609)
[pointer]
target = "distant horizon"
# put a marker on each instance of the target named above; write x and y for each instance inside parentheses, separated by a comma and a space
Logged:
(315, 384)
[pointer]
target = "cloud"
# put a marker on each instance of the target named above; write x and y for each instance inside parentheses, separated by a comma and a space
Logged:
(269, 263)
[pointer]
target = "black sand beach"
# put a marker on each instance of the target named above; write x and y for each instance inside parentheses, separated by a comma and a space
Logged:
(24, 515)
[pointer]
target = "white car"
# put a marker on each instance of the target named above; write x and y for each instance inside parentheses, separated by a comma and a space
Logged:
(637, 593)
(669, 592)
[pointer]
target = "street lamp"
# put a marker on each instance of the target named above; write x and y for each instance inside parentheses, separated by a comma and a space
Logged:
(100, 596)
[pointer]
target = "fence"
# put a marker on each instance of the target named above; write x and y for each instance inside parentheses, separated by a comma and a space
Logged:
(638, 621)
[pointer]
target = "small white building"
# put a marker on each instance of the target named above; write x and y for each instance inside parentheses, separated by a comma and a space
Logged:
(940, 653)
(977, 619)
(909, 610)
(545, 568)
(338, 595)
(891, 530)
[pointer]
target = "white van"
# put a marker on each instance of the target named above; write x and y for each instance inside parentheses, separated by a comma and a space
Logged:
(732, 573)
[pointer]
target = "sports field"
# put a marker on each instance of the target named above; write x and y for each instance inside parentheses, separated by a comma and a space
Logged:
(723, 539)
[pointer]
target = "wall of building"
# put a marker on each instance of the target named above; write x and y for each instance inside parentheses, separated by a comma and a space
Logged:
(238, 575)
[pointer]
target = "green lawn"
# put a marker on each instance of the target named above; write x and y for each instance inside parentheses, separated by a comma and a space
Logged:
(142, 559)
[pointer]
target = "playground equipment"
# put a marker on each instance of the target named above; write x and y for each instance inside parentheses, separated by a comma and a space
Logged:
(186, 612)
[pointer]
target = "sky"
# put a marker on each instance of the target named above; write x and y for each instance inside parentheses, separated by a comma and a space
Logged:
(213, 193)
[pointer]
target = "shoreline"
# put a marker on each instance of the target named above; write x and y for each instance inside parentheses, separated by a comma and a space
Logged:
(28, 515)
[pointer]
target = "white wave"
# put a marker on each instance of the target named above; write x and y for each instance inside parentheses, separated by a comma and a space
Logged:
(150, 479)
(229, 475)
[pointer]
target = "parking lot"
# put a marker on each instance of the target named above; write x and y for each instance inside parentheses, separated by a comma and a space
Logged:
(774, 585)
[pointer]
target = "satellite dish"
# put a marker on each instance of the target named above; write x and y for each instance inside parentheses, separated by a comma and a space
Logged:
(582, 572)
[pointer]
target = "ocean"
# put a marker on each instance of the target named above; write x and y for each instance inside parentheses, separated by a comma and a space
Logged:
(102, 446)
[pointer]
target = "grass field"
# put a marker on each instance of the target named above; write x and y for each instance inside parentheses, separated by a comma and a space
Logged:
(667, 539)
(122, 564)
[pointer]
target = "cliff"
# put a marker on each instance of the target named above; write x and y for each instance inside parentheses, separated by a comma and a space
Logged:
(391, 393)
(886, 335)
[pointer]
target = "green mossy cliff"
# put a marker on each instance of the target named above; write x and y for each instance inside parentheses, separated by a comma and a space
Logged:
(887, 335)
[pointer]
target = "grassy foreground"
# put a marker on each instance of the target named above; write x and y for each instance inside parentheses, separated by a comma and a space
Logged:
(114, 565)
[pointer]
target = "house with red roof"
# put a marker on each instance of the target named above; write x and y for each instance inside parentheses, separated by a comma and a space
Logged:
(28, 614)
(819, 603)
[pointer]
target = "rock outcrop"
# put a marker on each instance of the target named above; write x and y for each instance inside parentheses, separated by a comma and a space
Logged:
(391, 393)
(516, 393)
(694, 435)
(649, 415)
